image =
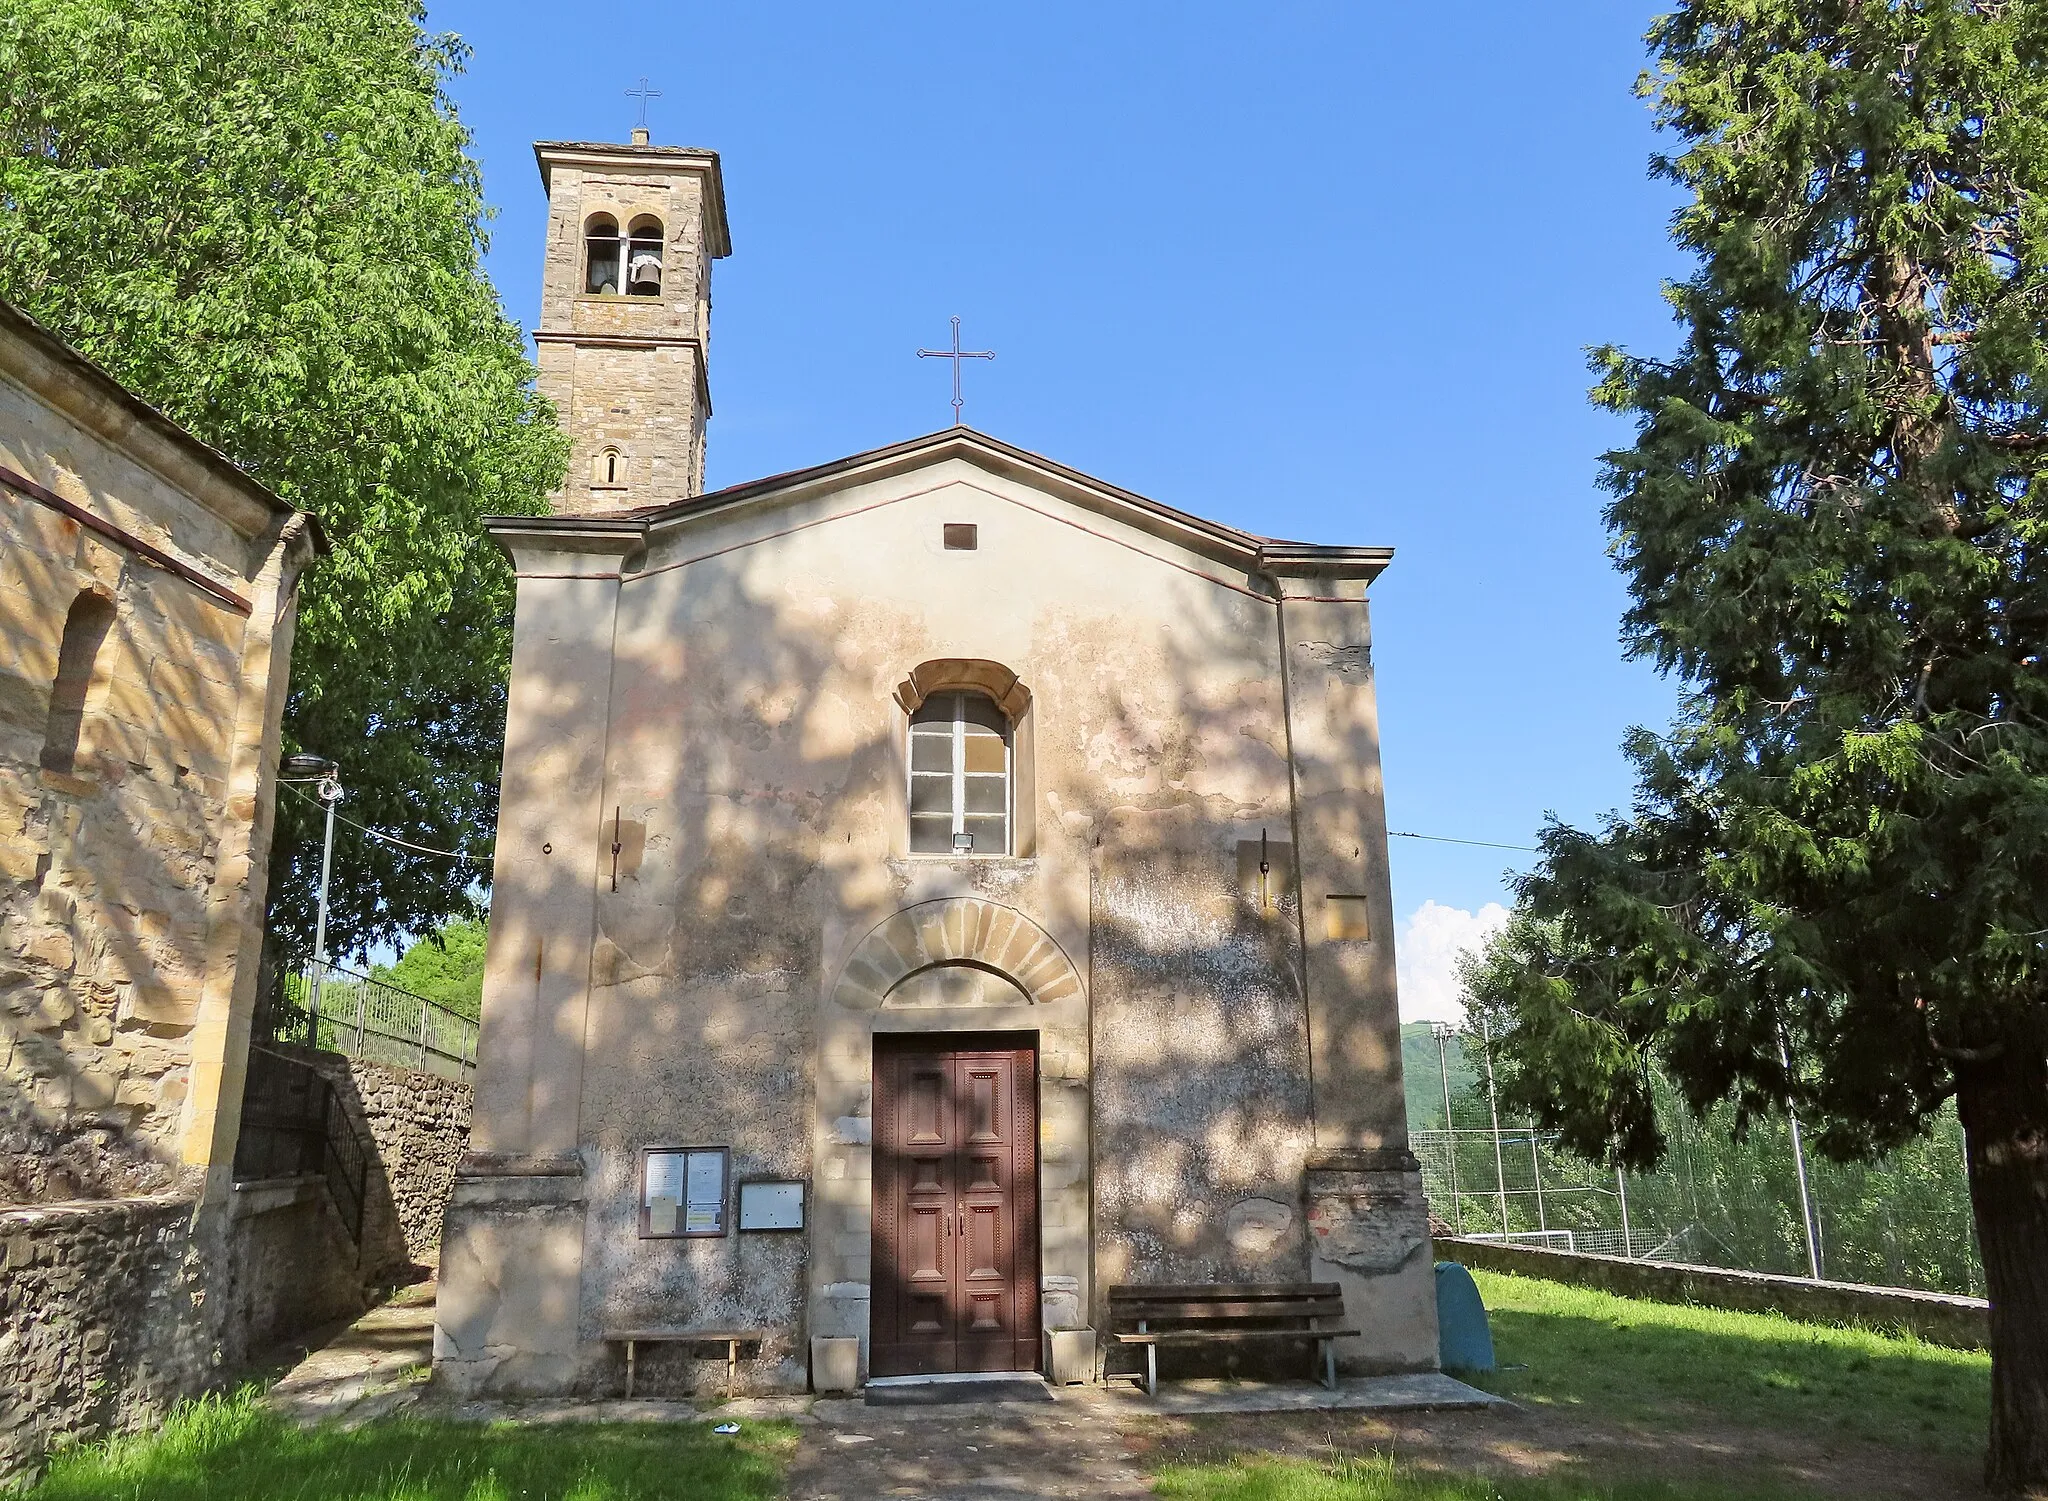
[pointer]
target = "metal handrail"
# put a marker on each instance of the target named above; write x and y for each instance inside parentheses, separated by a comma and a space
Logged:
(343, 1011)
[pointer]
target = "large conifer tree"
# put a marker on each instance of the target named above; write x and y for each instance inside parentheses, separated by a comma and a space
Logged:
(1832, 891)
(265, 220)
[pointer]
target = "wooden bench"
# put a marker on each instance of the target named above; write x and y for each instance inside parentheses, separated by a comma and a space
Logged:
(732, 1339)
(1227, 1313)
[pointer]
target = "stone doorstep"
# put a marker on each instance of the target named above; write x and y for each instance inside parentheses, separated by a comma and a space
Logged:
(1427, 1391)
(1419, 1392)
(1422, 1391)
(541, 1410)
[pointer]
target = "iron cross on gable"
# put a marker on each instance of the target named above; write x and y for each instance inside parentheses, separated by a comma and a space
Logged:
(643, 94)
(956, 354)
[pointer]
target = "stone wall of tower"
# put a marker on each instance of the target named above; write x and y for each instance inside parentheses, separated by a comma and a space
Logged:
(627, 374)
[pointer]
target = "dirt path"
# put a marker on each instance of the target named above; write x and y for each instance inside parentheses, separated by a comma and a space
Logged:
(973, 1452)
(1536, 1441)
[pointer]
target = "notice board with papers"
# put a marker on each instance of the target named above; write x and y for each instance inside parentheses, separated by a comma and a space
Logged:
(682, 1191)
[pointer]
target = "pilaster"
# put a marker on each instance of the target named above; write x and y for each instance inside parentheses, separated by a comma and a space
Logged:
(1362, 1190)
(235, 907)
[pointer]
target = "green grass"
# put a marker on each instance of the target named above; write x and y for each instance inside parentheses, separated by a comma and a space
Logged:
(219, 1448)
(1644, 1371)
(1655, 1363)
(1379, 1478)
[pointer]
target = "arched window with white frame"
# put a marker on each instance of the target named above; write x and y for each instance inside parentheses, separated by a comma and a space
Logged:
(960, 776)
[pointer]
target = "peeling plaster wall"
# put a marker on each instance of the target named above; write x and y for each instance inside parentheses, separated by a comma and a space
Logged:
(1202, 1104)
(754, 772)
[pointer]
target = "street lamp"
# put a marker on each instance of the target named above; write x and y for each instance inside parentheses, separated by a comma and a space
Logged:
(328, 775)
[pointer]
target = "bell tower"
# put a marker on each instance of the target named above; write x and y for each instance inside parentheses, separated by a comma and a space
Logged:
(625, 319)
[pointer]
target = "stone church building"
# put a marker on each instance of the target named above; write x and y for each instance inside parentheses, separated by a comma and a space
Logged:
(931, 888)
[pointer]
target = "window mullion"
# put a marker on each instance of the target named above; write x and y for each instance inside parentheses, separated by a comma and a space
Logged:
(959, 765)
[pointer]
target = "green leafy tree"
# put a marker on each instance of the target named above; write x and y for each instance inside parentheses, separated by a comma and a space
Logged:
(264, 219)
(447, 966)
(1832, 889)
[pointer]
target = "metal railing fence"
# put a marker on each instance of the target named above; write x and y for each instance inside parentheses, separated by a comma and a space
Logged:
(341, 1011)
(294, 1123)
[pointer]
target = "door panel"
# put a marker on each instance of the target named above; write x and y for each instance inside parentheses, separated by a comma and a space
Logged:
(955, 1206)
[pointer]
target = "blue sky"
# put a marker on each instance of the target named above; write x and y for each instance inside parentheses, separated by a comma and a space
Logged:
(1320, 271)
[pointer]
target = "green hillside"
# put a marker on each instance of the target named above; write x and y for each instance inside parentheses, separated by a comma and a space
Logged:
(1425, 1088)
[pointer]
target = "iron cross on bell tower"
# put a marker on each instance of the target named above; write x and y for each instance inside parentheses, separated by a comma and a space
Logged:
(643, 94)
(956, 354)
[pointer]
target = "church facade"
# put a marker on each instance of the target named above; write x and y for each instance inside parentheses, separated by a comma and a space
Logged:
(931, 888)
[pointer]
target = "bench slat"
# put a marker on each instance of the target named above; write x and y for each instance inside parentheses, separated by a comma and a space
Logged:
(1205, 1336)
(1149, 1291)
(685, 1336)
(1320, 1308)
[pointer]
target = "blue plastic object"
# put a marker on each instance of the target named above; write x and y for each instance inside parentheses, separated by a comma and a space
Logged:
(1464, 1342)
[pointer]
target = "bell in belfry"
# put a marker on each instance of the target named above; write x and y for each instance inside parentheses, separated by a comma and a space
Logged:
(644, 273)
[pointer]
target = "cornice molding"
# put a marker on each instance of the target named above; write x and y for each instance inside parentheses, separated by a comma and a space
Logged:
(1261, 557)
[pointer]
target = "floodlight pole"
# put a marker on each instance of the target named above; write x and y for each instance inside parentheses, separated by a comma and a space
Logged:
(1806, 1218)
(1628, 1248)
(308, 768)
(1500, 1169)
(1441, 1031)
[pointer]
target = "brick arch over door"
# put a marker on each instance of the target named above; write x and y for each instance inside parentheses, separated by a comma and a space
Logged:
(956, 930)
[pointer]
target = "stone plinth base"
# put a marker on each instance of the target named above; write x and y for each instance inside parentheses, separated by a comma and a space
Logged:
(511, 1274)
(1369, 1233)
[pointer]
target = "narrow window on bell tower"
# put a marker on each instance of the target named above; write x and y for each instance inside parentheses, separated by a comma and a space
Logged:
(601, 255)
(643, 257)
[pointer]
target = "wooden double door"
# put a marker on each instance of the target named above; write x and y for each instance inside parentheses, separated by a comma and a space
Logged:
(955, 1284)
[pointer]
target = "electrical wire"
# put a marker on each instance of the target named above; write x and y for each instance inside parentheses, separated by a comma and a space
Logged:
(405, 844)
(1485, 844)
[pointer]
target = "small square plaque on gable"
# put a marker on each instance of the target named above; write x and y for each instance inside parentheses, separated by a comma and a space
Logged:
(772, 1204)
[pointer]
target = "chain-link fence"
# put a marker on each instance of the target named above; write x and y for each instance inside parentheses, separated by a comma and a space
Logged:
(1716, 1200)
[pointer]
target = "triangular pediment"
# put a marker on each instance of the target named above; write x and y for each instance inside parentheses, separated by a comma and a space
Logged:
(626, 531)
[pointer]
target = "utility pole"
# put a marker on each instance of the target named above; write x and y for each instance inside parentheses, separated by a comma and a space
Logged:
(1441, 1031)
(1500, 1171)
